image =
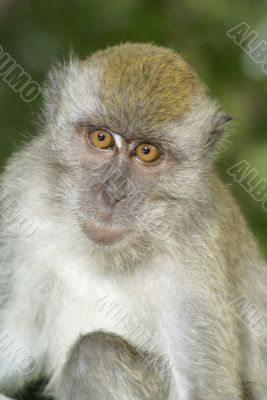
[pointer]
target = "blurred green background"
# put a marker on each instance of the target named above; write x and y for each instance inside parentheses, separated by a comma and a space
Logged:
(35, 33)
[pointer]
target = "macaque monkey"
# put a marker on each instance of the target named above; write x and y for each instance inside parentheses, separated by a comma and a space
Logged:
(113, 220)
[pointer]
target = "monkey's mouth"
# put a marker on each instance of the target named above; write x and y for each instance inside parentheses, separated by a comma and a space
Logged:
(103, 234)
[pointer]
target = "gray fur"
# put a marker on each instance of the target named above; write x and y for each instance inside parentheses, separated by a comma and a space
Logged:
(104, 366)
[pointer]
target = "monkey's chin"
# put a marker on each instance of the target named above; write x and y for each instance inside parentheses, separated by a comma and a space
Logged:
(103, 234)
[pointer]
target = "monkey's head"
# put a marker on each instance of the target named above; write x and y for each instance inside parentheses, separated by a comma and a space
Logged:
(132, 130)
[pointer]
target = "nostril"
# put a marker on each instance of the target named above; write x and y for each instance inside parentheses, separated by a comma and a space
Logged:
(106, 197)
(112, 198)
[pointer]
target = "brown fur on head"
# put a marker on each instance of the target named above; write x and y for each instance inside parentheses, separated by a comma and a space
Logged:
(146, 82)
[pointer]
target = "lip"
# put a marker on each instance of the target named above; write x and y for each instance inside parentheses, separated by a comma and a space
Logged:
(103, 234)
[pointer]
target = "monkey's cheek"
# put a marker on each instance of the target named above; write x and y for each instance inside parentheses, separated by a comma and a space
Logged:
(102, 234)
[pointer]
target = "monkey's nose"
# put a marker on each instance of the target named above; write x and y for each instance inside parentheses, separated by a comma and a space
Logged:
(111, 198)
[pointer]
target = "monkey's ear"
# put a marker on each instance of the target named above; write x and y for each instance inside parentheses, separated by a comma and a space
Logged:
(218, 130)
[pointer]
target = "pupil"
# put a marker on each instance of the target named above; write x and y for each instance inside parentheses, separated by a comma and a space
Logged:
(146, 150)
(101, 137)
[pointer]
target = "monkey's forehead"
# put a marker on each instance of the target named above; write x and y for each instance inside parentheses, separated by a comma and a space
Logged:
(145, 82)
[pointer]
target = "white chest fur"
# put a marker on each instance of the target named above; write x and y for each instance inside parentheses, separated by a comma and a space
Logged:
(74, 299)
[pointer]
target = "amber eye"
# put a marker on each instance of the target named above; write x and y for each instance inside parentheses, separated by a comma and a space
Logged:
(101, 139)
(147, 152)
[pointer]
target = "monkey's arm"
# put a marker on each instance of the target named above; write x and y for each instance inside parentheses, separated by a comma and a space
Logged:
(105, 366)
(203, 342)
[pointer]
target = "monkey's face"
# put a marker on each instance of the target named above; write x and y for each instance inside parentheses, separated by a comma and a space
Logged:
(131, 131)
(120, 183)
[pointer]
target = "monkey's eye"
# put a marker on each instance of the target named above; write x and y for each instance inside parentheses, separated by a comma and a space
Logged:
(101, 139)
(147, 152)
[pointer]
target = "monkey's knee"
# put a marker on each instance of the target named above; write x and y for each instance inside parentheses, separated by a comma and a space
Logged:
(105, 366)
